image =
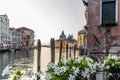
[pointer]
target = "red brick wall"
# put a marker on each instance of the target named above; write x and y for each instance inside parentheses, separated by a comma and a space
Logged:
(94, 22)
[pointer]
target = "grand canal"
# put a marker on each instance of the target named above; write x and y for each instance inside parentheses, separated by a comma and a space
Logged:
(13, 57)
(28, 57)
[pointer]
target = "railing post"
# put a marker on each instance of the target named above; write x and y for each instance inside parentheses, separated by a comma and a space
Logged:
(101, 75)
(52, 44)
(60, 51)
(66, 51)
(38, 58)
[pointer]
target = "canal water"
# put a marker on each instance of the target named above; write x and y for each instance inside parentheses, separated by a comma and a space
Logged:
(29, 58)
(7, 58)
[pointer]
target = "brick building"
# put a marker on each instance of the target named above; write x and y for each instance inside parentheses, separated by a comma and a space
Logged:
(27, 36)
(103, 22)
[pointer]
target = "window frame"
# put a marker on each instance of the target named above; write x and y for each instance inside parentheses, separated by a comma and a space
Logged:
(116, 9)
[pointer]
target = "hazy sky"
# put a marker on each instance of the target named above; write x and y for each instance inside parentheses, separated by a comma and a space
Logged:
(46, 17)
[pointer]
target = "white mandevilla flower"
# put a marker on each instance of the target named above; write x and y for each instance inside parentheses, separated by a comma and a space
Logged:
(86, 73)
(71, 77)
(57, 70)
(75, 70)
(60, 70)
(51, 65)
(90, 65)
(114, 57)
(101, 65)
(110, 74)
(48, 76)
(63, 69)
(88, 59)
(110, 56)
(113, 64)
(79, 59)
(93, 67)
(107, 67)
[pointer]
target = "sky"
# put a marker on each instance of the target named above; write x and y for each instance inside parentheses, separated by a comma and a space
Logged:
(46, 17)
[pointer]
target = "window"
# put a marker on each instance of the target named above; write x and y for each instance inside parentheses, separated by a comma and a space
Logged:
(108, 11)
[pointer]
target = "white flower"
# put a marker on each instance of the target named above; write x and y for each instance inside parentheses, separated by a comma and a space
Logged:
(92, 71)
(51, 65)
(114, 57)
(75, 70)
(110, 74)
(89, 59)
(71, 77)
(57, 70)
(48, 76)
(94, 66)
(110, 56)
(107, 67)
(63, 69)
(84, 74)
(87, 70)
(113, 64)
(79, 59)
(101, 65)
(90, 65)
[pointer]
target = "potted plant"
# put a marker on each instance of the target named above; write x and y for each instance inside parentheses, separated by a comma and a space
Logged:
(108, 23)
(82, 68)
(112, 66)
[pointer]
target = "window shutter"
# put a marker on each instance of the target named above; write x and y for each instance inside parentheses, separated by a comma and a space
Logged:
(108, 11)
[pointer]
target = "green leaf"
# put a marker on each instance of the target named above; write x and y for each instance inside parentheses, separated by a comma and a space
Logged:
(19, 73)
(14, 78)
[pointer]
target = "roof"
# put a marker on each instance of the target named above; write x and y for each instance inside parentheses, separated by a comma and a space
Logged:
(11, 28)
(62, 36)
(81, 32)
(24, 28)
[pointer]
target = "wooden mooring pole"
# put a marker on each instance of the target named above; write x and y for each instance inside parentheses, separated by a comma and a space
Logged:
(60, 51)
(52, 44)
(66, 51)
(38, 58)
(70, 50)
(75, 47)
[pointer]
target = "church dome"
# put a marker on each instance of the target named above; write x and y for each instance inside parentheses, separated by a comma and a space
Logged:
(62, 36)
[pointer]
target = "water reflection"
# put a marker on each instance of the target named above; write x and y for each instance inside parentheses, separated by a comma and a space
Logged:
(46, 57)
(9, 57)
